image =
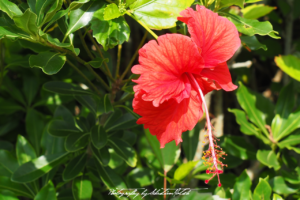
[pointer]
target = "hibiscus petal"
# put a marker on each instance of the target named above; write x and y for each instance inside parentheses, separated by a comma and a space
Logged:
(221, 75)
(163, 66)
(215, 35)
(170, 119)
(206, 85)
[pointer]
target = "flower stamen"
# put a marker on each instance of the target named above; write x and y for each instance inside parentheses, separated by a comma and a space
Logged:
(214, 152)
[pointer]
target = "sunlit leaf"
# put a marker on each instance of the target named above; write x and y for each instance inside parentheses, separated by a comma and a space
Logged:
(289, 64)
(159, 14)
(268, 158)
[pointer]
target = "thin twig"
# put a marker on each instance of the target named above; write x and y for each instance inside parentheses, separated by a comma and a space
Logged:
(118, 60)
(134, 56)
(85, 45)
(86, 78)
(101, 55)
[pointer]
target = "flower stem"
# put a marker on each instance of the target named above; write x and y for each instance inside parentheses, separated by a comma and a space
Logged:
(86, 78)
(118, 60)
(142, 24)
(134, 56)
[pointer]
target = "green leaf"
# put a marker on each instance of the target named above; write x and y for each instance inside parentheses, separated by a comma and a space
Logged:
(82, 188)
(88, 102)
(184, 169)
(56, 17)
(46, 193)
(8, 29)
(129, 137)
(105, 105)
(97, 62)
(292, 177)
(251, 27)
(65, 88)
(7, 127)
(7, 195)
(8, 161)
(237, 146)
(77, 141)
(241, 190)
(286, 101)
(56, 6)
(262, 191)
(27, 22)
(10, 8)
(18, 189)
(75, 166)
(291, 140)
(77, 4)
(257, 113)
(30, 87)
(170, 154)
(36, 168)
(24, 150)
(41, 7)
(81, 17)
(111, 179)
(56, 42)
(102, 155)
(268, 158)
(123, 122)
(253, 43)
(34, 128)
(289, 64)
(98, 136)
(49, 62)
(279, 186)
(252, 1)
(109, 33)
(297, 150)
(116, 162)
(256, 11)
(167, 156)
(111, 12)
(36, 47)
(124, 150)
(284, 127)
(13, 90)
(159, 14)
(227, 3)
(9, 107)
(61, 128)
(190, 141)
(52, 144)
(277, 197)
(245, 126)
(140, 177)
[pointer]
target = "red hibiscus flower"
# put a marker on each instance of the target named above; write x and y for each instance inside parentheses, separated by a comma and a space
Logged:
(177, 71)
